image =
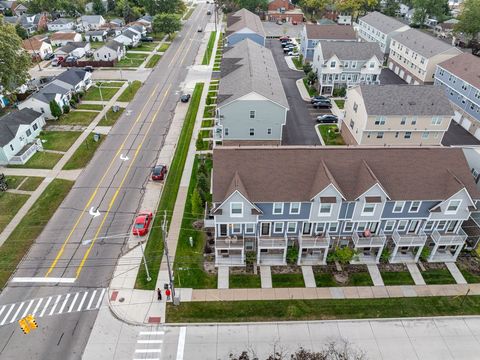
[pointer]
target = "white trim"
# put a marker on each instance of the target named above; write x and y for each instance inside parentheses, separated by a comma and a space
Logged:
(299, 208)
(437, 225)
(411, 204)
(447, 212)
(393, 226)
(273, 208)
(239, 193)
(345, 225)
(369, 213)
(236, 215)
(371, 187)
(283, 227)
(406, 225)
(288, 225)
(395, 204)
(337, 225)
(431, 228)
(253, 228)
(320, 214)
(239, 229)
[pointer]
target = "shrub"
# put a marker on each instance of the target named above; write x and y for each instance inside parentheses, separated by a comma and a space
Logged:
(340, 92)
(307, 67)
(209, 100)
(55, 109)
(342, 255)
(250, 258)
(292, 255)
(202, 182)
(385, 255)
(425, 253)
(66, 109)
(197, 208)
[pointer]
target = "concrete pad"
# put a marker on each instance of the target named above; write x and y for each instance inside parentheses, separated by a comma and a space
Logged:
(281, 293)
(415, 274)
(263, 333)
(309, 293)
(199, 351)
(379, 291)
(233, 333)
(350, 292)
(388, 329)
(324, 331)
(295, 293)
(223, 277)
(394, 291)
(421, 328)
(254, 294)
(397, 349)
(308, 277)
(266, 277)
(225, 295)
(286, 331)
(409, 291)
(355, 330)
(431, 348)
(474, 289)
(324, 293)
(463, 347)
(198, 295)
(473, 325)
(184, 293)
(239, 294)
(336, 293)
(456, 273)
(423, 290)
(268, 294)
(369, 347)
(375, 275)
(212, 295)
(452, 327)
(364, 292)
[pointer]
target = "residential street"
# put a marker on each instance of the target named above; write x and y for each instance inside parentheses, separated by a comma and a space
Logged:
(77, 252)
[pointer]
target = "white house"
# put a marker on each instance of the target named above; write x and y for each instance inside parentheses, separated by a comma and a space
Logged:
(90, 22)
(74, 80)
(61, 24)
(61, 38)
(112, 50)
(40, 100)
(77, 49)
(128, 38)
(96, 35)
(37, 47)
(138, 28)
(18, 130)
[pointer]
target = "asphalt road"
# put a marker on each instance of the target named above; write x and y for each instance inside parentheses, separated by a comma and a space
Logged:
(75, 245)
(299, 129)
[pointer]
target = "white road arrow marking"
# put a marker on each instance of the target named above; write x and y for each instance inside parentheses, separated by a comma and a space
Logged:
(123, 158)
(94, 213)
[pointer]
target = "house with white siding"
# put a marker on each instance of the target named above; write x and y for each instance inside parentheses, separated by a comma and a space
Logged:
(61, 24)
(40, 100)
(112, 50)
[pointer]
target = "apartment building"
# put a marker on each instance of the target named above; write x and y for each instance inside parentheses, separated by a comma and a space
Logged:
(459, 76)
(395, 115)
(267, 199)
(312, 34)
(379, 28)
(415, 54)
(344, 64)
(251, 104)
(244, 24)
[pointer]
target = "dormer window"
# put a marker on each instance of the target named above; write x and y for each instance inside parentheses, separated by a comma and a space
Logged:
(368, 209)
(236, 209)
(414, 206)
(325, 210)
(333, 64)
(277, 208)
(453, 206)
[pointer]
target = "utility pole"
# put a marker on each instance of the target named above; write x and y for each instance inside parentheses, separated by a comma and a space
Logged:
(103, 104)
(165, 246)
(144, 260)
(215, 11)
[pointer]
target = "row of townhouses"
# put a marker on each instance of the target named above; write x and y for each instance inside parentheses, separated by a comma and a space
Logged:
(267, 199)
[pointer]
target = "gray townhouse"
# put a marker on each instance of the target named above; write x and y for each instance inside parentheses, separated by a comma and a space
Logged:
(267, 199)
(459, 76)
(244, 24)
(251, 103)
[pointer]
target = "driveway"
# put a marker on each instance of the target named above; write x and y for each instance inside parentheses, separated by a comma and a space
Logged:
(388, 77)
(299, 129)
(457, 135)
(272, 29)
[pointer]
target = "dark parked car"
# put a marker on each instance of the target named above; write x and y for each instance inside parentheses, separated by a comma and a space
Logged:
(322, 105)
(184, 98)
(285, 43)
(199, 29)
(327, 119)
(49, 56)
(159, 172)
(318, 98)
(88, 68)
(147, 39)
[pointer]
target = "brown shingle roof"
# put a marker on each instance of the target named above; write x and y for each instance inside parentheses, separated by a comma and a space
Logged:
(330, 32)
(244, 19)
(63, 36)
(297, 173)
(32, 44)
(465, 66)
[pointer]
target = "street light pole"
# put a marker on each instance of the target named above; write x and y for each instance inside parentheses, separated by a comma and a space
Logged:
(145, 261)
(215, 11)
(165, 246)
(101, 98)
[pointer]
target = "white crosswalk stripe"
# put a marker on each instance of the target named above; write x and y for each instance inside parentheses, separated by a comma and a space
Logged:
(149, 345)
(52, 305)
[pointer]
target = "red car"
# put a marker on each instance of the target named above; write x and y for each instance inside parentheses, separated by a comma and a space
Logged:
(159, 172)
(285, 38)
(142, 223)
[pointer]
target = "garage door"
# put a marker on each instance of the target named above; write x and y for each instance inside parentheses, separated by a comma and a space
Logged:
(477, 134)
(390, 66)
(466, 124)
(396, 69)
(409, 79)
(402, 73)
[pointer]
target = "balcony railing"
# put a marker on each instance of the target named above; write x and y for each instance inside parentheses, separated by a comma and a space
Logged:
(314, 241)
(25, 154)
(409, 239)
(368, 241)
(273, 241)
(230, 242)
(450, 239)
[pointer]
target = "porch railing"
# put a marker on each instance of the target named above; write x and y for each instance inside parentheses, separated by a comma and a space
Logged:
(272, 241)
(450, 239)
(408, 239)
(367, 241)
(314, 241)
(230, 242)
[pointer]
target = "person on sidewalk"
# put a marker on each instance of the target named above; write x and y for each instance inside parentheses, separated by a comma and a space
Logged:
(159, 294)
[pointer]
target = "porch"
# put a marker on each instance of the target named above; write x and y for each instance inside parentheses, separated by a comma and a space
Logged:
(313, 249)
(407, 247)
(272, 250)
(447, 247)
(26, 153)
(229, 251)
(369, 248)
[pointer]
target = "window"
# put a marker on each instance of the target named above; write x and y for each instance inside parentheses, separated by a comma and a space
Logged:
(396, 134)
(348, 228)
(352, 123)
(398, 207)
(291, 227)
(441, 225)
(252, 131)
(436, 120)
(333, 64)
(320, 228)
(278, 208)
(372, 65)
(414, 121)
(269, 131)
(429, 225)
(368, 209)
(361, 226)
(226, 131)
(295, 208)
(249, 228)
(414, 207)
(236, 228)
(354, 64)
(28, 132)
(425, 135)
(333, 227)
(380, 135)
(325, 210)
(278, 227)
(408, 135)
(355, 106)
(402, 225)
(11, 147)
(35, 127)
(389, 225)
(252, 114)
(380, 120)
(452, 225)
(403, 121)
(453, 206)
(236, 209)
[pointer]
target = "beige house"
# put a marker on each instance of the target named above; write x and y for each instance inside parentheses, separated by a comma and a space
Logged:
(395, 115)
(414, 56)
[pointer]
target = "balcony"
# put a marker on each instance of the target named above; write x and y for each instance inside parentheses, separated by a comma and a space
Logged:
(230, 242)
(409, 239)
(314, 241)
(451, 239)
(369, 241)
(272, 241)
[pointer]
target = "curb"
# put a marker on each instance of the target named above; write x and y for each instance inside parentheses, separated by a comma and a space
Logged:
(302, 90)
(317, 127)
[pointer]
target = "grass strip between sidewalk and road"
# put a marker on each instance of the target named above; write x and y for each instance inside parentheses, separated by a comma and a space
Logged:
(322, 309)
(82, 156)
(30, 227)
(209, 49)
(10, 203)
(130, 91)
(154, 247)
(153, 61)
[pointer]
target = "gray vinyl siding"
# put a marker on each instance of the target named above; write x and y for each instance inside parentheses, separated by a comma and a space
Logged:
(239, 36)
(247, 211)
(268, 115)
(267, 212)
(329, 191)
(357, 212)
(462, 213)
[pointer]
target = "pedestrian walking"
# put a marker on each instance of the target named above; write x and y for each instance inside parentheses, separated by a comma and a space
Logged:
(159, 294)
(167, 292)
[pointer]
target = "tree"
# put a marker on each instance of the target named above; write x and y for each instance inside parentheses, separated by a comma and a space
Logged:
(391, 7)
(313, 7)
(202, 183)
(130, 14)
(166, 23)
(425, 8)
(307, 67)
(98, 8)
(21, 31)
(154, 7)
(311, 77)
(469, 22)
(110, 5)
(197, 208)
(354, 7)
(14, 62)
(252, 5)
(55, 109)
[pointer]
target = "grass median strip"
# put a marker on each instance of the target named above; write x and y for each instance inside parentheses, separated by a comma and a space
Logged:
(153, 61)
(288, 310)
(111, 117)
(83, 118)
(82, 156)
(129, 93)
(209, 49)
(93, 94)
(30, 227)
(31, 183)
(154, 247)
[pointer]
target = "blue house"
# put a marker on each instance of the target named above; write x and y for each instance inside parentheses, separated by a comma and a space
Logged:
(268, 199)
(459, 77)
(244, 24)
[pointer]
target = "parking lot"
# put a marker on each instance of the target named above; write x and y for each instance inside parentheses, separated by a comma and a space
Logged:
(301, 119)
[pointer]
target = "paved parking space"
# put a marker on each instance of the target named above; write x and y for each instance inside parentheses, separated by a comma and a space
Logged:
(300, 127)
(457, 135)
(388, 77)
(272, 29)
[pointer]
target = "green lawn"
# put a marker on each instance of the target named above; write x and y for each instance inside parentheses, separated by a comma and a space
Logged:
(289, 310)
(146, 46)
(96, 44)
(129, 93)
(359, 279)
(163, 47)
(13, 181)
(247, 281)
(208, 51)
(30, 227)
(132, 60)
(208, 123)
(470, 277)
(154, 247)
(40, 160)
(340, 103)
(31, 184)
(83, 118)
(58, 140)
(325, 280)
(287, 280)
(438, 276)
(153, 61)
(329, 136)
(311, 90)
(84, 153)
(209, 111)
(9, 206)
(397, 278)
(110, 83)
(112, 117)
(297, 62)
(93, 94)
(90, 107)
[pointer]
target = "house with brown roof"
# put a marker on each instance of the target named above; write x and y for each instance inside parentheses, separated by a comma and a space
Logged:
(284, 10)
(244, 24)
(460, 79)
(269, 199)
(312, 34)
(37, 46)
(61, 38)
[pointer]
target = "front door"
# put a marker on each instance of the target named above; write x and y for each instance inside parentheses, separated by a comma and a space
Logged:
(223, 229)
(307, 228)
(412, 229)
(266, 228)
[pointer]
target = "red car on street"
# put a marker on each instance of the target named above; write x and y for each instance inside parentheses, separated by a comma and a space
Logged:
(142, 223)
(159, 172)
